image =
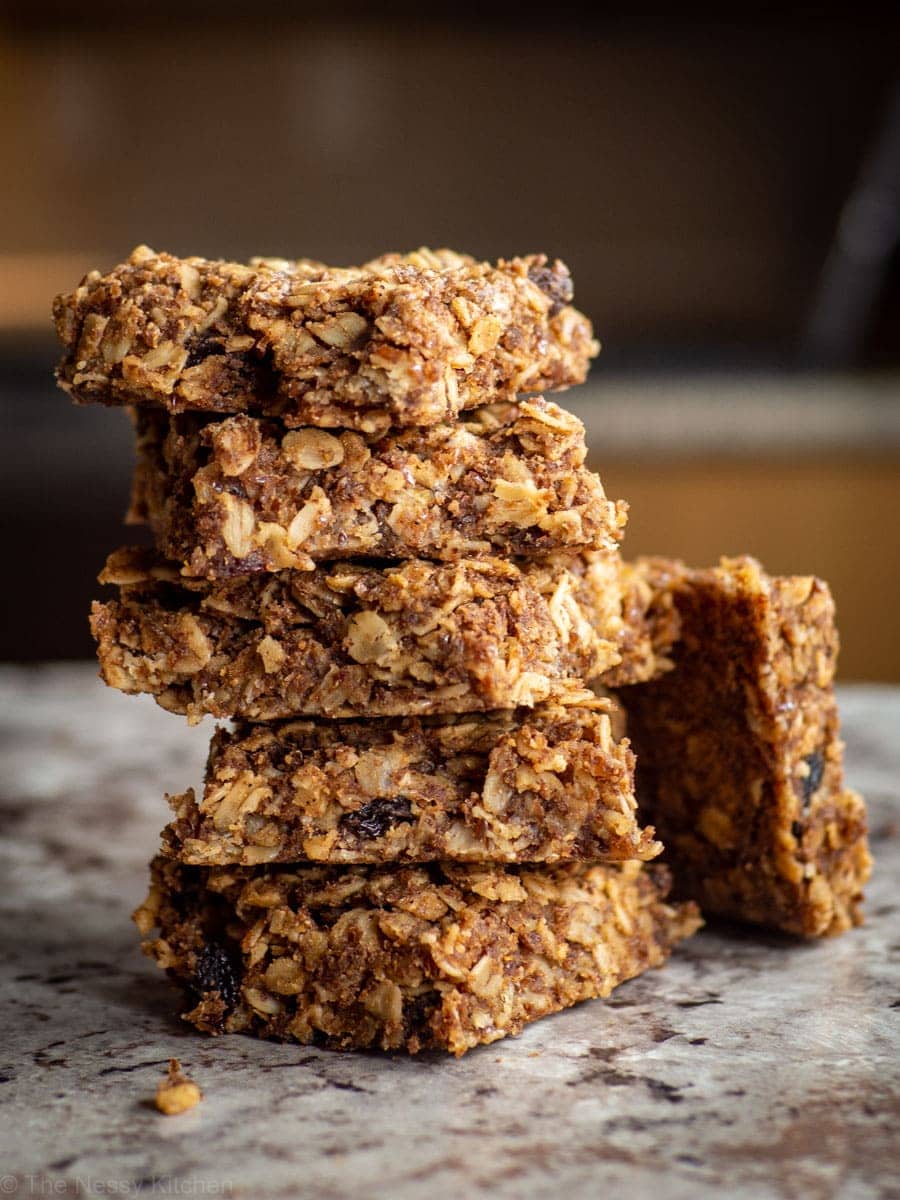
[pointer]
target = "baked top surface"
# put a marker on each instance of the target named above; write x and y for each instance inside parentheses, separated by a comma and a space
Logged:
(403, 340)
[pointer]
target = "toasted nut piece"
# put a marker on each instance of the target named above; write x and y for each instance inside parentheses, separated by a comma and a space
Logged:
(485, 335)
(271, 652)
(237, 443)
(176, 1093)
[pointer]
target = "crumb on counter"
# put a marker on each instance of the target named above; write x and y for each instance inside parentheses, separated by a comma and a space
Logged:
(176, 1093)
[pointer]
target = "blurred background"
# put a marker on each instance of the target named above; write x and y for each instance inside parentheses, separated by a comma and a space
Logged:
(726, 193)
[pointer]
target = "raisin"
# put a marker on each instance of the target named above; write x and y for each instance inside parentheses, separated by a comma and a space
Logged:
(202, 350)
(797, 829)
(417, 1012)
(555, 284)
(377, 817)
(214, 972)
(816, 764)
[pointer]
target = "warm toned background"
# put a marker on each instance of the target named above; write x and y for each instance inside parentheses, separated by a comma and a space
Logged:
(726, 192)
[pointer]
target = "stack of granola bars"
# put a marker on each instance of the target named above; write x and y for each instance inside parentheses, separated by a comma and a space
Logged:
(380, 556)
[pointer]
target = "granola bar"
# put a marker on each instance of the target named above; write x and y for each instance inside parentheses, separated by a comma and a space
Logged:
(408, 958)
(241, 495)
(739, 757)
(404, 340)
(348, 640)
(651, 627)
(537, 785)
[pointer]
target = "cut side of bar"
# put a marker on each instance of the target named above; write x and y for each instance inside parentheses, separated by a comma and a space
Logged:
(242, 495)
(739, 761)
(438, 956)
(348, 640)
(532, 785)
(404, 340)
(651, 625)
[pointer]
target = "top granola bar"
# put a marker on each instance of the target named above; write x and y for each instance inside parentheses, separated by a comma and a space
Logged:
(403, 340)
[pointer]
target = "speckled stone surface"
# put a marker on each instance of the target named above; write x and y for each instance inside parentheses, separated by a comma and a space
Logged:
(750, 1066)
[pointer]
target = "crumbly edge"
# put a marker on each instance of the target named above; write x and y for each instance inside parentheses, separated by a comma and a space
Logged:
(651, 622)
(739, 756)
(246, 495)
(538, 785)
(349, 641)
(445, 957)
(404, 340)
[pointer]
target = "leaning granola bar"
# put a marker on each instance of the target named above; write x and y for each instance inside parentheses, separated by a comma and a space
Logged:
(435, 956)
(404, 340)
(241, 495)
(739, 757)
(534, 785)
(350, 640)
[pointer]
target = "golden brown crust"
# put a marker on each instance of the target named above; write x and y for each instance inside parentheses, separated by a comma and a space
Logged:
(739, 758)
(411, 958)
(538, 785)
(242, 495)
(404, 340)
(350, 640)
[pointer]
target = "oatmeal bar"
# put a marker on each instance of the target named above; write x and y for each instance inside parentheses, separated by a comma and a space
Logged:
(241, 495)
(404, 340)
(534, 785)
(651, 627)
(348, 640)
(738, 750)
(402, 958)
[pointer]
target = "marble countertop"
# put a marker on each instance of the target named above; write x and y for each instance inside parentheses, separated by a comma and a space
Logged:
(750, 1066)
